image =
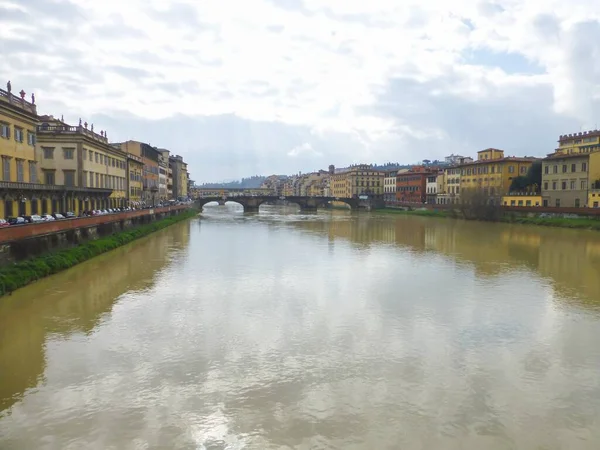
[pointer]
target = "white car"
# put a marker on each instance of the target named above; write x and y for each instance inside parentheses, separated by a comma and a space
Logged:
(47, 218)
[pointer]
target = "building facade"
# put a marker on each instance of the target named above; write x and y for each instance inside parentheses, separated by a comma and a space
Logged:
(149, 156)
(356, 181)
(170, 183)
(566, 178)
(492, 173)
(431, 188)
(135, 179)
(20, 187)
(522, 199)
(389, 186)
(449, 185)
(163, 169)
(411, 185)
(92, 172)
(180, 177)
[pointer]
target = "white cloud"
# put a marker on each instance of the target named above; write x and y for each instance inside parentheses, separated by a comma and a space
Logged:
(328, 66)
(305, 149)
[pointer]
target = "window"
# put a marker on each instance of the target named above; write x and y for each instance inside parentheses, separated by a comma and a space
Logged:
(564, 185)
(546, 186)
(96, 154)
(546, 169)
(84, 154)
(595, 204)
(511, 169)
(555, 169)
(6, 169)
(573, 167)
(49, 177)
(48, 152)
(33, 172)
(85, 178)
(564, 168)
(584, 167)
(91, 179)
(20, 171)
(68, 153)
(4, 130)
(573, 185)
(528, 203)
(18, 134)
(577, 203)
(557, 203)
(554, 185)
(69, 177)
(97, 178)
(520, 202)
(523, 170)
(545, 203)
(583, 185)
(31, 138)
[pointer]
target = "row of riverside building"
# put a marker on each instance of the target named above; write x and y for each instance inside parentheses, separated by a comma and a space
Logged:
(50, 166)
(570, 178)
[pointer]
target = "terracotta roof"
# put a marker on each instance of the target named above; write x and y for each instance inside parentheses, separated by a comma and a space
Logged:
(563, 156)
(500, 160)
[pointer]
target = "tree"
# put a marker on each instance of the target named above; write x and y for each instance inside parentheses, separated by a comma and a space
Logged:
(477, 205)
(531, 181)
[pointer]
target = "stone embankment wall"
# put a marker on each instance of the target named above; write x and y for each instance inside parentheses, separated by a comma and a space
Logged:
(23, 241)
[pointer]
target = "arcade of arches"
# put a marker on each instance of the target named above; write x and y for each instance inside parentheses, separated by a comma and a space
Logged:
(29, 203)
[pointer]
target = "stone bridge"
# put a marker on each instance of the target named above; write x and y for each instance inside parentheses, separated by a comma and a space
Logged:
(252, 203)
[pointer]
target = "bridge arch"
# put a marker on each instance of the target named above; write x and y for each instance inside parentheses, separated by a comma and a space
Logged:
(252, 203)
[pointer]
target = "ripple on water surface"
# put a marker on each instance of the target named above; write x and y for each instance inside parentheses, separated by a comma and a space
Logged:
(333, 330)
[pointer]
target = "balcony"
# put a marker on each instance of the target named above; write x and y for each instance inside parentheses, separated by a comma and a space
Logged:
(19, 102)
(69, 130)
(39, 187)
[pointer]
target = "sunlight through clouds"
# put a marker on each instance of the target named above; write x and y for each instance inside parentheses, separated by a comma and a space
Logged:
(302, 65)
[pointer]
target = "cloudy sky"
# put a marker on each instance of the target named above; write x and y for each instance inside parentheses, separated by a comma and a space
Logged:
(243, 87)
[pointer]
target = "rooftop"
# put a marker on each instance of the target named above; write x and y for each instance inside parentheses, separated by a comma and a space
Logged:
(51, 125)
(581, 134)
(499, 160)
(19, 102)
(565, 156)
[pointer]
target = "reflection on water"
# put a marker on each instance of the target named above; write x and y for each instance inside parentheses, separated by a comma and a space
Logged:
(73, 302)
(319, 331)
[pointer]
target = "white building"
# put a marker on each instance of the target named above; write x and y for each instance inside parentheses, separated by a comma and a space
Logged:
(431, 188)
(389, 186)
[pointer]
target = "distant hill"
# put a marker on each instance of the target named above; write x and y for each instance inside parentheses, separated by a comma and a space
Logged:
(245, 183)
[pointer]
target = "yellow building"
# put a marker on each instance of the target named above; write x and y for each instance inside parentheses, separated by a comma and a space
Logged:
(357, 180)
(594, 198)
(522, 199)
(135, 178)
(570, 174)
(492, 173)
(449, 186)
(183, 182)
(20, 188)
(91, 172)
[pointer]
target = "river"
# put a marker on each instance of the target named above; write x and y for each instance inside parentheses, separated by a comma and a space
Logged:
(325, 331)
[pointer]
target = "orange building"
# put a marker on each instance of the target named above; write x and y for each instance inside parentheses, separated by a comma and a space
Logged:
(410, 186)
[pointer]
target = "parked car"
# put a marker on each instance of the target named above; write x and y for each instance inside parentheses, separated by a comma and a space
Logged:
(4, 223)
(68, 215)
(47, 218)
(16, 221)
(34, 218)
(58, 216)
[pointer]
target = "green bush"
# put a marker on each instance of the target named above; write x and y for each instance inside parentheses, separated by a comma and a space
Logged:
(22, 273)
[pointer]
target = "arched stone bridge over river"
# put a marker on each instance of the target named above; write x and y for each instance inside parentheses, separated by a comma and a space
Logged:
(252, 203)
